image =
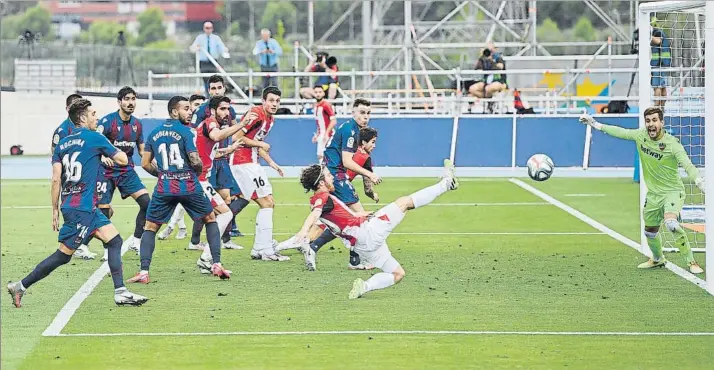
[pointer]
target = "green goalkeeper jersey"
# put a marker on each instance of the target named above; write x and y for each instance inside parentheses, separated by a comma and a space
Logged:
(660, 159)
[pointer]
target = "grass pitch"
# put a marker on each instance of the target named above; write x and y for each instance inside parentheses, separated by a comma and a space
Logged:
(499, 259)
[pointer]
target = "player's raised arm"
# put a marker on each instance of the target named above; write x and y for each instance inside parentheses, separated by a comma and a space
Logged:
(309, 222)
(686, 163)
(350, 164)
(263, 154)
(616, 131)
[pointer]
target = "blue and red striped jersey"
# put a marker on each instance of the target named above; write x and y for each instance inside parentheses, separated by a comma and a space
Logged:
(65, 128)
(170, 144)
(80, 156)
(345, 139)
(125, 135)
(204, 112)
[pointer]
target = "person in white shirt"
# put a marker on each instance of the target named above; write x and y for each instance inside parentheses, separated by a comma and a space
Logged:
(211, 44)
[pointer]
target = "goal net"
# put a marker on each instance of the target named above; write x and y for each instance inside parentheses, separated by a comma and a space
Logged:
(672, 77)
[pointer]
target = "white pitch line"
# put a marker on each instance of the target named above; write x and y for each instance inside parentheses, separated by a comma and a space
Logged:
(66, 313)
(497, 204)
(478, 233)
(615, 235)
(392, 332)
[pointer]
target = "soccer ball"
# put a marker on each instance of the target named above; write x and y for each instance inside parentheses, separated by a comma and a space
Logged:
(540, 167)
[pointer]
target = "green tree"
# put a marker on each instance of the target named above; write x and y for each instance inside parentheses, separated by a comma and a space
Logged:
(548, 31)
(103, 32)
(584, 30)
(10, 26)
(162, 45)
(151, 26)
(36, 19)
(276, 11)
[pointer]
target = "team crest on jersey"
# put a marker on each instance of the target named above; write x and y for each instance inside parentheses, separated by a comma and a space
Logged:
(351, 142)
(55, 139)
(100, 128)
(662, 146)
(134, 128)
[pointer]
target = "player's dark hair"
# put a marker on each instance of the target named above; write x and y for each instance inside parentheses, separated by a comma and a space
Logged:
(310, 177)
(124, 91)
(216, 78)
(195, 97)
(77, 109)
(71, 98)
(654, 110)
(217, 100)
(366, 134)
(361, 101)
(271, 90)
(173, 102)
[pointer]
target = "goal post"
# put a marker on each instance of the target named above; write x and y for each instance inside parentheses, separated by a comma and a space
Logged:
(688, 102)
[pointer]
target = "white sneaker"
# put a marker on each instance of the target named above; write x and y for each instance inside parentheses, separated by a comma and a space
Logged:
(123, 296)
(165, 233)
(181, 234)
(131, 243)
(105, 257)
(84, 253)
(204, 264)
(277, 257)
(309, 255)
(197, 247)
(358, 289)
(230, 245)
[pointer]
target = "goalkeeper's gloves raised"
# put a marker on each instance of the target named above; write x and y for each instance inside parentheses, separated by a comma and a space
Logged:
(699, 182)
(589, 120)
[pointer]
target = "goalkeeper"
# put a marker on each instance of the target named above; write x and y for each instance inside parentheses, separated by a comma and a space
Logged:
(660, 154)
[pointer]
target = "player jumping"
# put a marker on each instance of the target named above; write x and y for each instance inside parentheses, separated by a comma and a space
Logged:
(194, 101)
(339, 158)
(251, 177)
(660, 154)
(177, 168)
(326, 120)
(366, 232)
(126, 133)
(75, 167)
(65, 128)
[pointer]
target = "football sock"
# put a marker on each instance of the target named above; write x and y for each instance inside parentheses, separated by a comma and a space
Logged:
(196, 232)
(379, 281)
(682, 242)
(214, 240)
(148, 243)
(143, 202)
(264, 230)
(223, 220)
(655, 245)
(427, 195)
(114, 260)
(324, 238)
(45, 267)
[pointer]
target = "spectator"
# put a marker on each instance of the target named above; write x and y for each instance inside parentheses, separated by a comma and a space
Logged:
(661, 58)
(323, 62)
(211, 44)
(491, 84)
(268, 51)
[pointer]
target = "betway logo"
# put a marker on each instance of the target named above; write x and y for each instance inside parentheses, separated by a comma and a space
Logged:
(124, 143)
(651, 153)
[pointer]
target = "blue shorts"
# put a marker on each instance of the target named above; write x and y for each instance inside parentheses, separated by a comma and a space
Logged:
(128, 184)
(345, 192)
(79, 226)
(222, 177)
(162, 206)
(659, 79)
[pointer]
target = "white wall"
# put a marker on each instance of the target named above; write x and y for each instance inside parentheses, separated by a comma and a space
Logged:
(30, 119)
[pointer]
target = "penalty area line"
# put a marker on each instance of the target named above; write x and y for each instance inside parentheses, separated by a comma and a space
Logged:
(612, 233)
(393, 332)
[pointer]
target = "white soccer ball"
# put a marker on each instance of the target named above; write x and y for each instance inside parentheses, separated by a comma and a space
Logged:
(540, 167)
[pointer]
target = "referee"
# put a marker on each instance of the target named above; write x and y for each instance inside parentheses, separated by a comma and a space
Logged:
(213, 45)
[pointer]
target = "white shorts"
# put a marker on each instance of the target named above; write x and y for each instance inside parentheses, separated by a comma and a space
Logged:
(321, 144)
(252, 180)
(212, 194)
(372, 238)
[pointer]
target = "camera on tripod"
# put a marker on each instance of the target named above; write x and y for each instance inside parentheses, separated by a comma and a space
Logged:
(27, 41)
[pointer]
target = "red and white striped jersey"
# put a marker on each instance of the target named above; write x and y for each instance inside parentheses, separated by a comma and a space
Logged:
(336, 215)
(257, 130)
(323, 113)
(206, 147)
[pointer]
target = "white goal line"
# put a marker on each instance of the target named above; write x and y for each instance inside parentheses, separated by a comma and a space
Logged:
(392, 332)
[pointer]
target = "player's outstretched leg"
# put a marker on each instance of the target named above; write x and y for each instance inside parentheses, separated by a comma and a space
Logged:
(17, 289)
(392, 274)
(213, 235)
(655, 244)
(236, 206)
(682, 242)
(113, 244)
(195, 243)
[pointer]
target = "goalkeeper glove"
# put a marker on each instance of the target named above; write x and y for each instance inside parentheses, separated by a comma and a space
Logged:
(589, 120)
(700, 183)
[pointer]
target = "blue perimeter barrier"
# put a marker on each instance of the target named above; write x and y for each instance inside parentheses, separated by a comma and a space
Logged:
(481, 141)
